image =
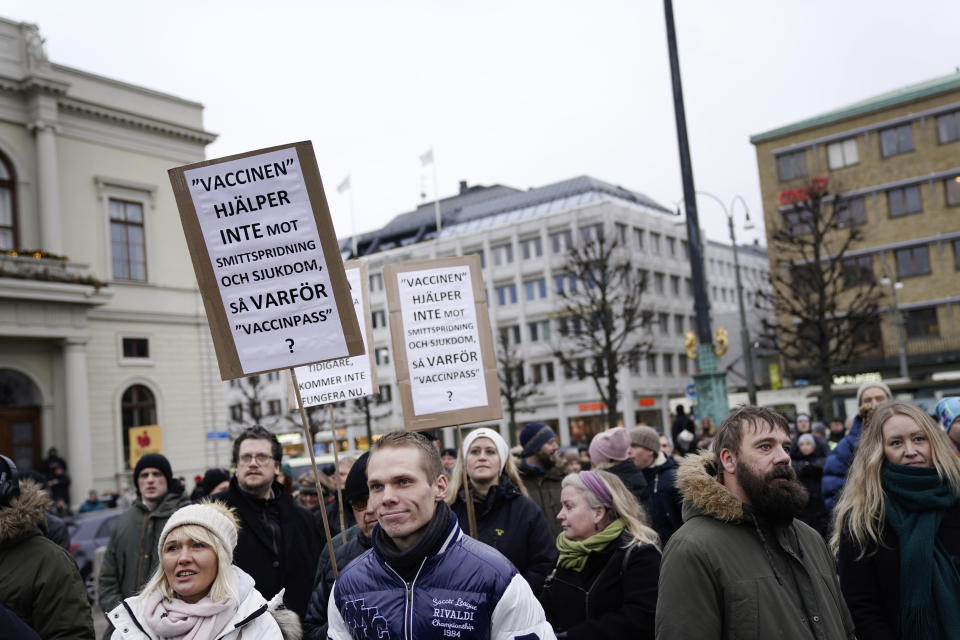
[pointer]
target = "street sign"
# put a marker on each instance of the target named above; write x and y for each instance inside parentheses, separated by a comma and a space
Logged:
(218, 435)
(691, 391)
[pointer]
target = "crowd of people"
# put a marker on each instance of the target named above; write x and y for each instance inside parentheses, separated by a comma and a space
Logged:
(754, 528)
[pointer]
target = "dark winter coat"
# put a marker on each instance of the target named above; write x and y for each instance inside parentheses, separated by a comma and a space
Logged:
(838, 464)
(333, 516)
(615, 596)
(809, 471)
(680, 423)
(515, 526)
(288, 561)
(315, 622)
(39, 581)
(664, 502)
(131, 556)
(543, 487)
(727, 574)
(871, 585)
(633, 478)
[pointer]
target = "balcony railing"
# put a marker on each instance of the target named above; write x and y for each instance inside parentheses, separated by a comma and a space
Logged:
(43, 268)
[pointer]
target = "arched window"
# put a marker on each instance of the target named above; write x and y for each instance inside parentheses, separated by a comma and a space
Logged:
(8, 206)
(138, 408)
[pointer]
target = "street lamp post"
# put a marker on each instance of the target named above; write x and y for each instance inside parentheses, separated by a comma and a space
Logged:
(898, 320)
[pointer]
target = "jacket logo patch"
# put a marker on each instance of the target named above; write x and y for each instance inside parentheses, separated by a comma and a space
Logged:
(454, 616)
(365, 621)
(499, 532)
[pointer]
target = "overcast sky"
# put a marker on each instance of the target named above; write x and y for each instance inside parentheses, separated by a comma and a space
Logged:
(522, 93)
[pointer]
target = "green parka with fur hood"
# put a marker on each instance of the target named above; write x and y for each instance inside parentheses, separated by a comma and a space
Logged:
(727, 574)
(39, 581)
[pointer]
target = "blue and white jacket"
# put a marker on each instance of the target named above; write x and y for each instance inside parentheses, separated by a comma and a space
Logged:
(467, 591)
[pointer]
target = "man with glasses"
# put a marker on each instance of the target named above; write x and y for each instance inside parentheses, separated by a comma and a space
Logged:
(279, 542)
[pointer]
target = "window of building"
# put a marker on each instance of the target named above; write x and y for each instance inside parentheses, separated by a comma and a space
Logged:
(792, 165)
(842, 154)
(685, 247)
(273, 408)
(952, 186)
(867, 335)
(671, 247)
(478, 252)
(663, 319)
(381, 355)
(956, 253)
(502, 254)
(379, 317)
(8, 204)
(857, 271)
(652, 363)
(592, 233)
(385, 395)
(913, 261)
(668, 364)
(561, 241)
(565, 284)
(543, 372)
(236, 412)
(948, 127)
(904, 200)
(531, 248)
(854, 213)
(678, 325)
(638, 239)
(136, 348)
(510, 335)
(896, 140)
(272, 376)
(688, 285)
(654, 243)
(682, 365)
(507, 294)
(797, 223)
(658, 279)
(376, 282)
(535, 289)
(571, 325)
(539, 330)
(138, 408)
(127, 241)
(675, 286)
(621, 233)
(922, 322)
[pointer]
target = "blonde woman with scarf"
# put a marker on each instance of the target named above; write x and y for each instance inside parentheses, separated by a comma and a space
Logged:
(605, 581)
(196, 592)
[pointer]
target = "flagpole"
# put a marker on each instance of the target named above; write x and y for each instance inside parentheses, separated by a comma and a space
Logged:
(436, 194)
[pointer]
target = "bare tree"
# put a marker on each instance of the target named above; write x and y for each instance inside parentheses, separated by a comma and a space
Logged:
(602, 321)
(515, 388)
(825, 299)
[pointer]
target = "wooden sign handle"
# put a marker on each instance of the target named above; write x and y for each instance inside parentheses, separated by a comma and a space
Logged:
(336, 466)
(471, 514)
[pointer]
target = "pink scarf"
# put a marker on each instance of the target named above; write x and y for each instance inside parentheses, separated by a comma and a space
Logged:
(178, 620)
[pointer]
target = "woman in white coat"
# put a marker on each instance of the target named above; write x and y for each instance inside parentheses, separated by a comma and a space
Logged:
(196, 592)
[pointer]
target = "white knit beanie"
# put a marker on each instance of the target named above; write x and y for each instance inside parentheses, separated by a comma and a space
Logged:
(502, 449)
(215, 517)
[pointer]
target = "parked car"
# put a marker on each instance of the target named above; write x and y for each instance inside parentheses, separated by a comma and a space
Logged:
(89, 531)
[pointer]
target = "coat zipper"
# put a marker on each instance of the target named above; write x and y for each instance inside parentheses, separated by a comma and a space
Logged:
(408, 599)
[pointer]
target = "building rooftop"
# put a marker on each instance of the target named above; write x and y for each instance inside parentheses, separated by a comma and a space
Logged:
(876, 103)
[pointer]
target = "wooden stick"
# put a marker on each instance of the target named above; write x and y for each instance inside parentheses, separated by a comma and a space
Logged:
(316, 473)
(471, 514)
(336, 466)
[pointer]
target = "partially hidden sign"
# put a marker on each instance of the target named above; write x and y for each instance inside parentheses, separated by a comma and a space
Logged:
(343, 378)
(144, 440)
(267, 260)
(442, 344)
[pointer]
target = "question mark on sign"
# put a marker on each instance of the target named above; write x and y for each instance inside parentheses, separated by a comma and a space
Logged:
(289, 342)
(449, 396)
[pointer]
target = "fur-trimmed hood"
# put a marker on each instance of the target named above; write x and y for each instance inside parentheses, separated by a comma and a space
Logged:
(697, 480)
(26, 513)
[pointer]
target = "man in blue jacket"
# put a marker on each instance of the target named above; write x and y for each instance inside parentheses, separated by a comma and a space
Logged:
(423, 578)
(869, 395)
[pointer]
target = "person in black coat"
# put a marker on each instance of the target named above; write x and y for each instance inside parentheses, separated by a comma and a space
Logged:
(682, 422)
(808, 461)
(605, 582)
(279, 543)
(507, 519)
(356, 496)
(610, 450)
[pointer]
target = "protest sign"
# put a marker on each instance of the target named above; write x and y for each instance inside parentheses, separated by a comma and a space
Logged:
(143, 440)
(343, 378)
(267, 260)
(442, 345)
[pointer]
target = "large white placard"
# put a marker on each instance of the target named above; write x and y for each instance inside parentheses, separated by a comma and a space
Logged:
(260, 233)
(345, 378)
(442, 340)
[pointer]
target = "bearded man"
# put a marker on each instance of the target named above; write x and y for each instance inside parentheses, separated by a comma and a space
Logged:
(742, 566)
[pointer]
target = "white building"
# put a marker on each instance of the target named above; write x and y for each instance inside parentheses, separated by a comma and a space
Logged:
(522, 237)
(101, 322)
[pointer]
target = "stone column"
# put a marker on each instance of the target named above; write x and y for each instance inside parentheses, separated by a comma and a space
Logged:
(48, 187)
(77, 412)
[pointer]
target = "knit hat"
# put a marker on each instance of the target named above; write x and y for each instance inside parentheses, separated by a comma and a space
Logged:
(212, 478)
(215, 517)
(502, 450)
(806, 438)
(646, 437)
(153, 461)
(948, 410)
(803, 416)
(355, 486)
(868, 385)
(533, 436)
(611, 445)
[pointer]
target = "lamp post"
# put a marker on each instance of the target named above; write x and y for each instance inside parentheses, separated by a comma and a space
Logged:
(898, 320)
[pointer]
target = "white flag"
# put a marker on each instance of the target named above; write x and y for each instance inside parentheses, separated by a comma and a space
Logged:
(344, 186)
(427, 158)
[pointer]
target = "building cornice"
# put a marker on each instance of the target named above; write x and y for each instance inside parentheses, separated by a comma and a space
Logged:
(136, 121)
(87, 295)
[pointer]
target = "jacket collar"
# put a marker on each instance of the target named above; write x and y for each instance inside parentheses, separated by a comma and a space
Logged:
(25, 515)
(699, 484)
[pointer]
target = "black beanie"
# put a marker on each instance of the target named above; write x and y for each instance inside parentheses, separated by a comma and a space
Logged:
(212, 478)
(153, 461)
(355, 485)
